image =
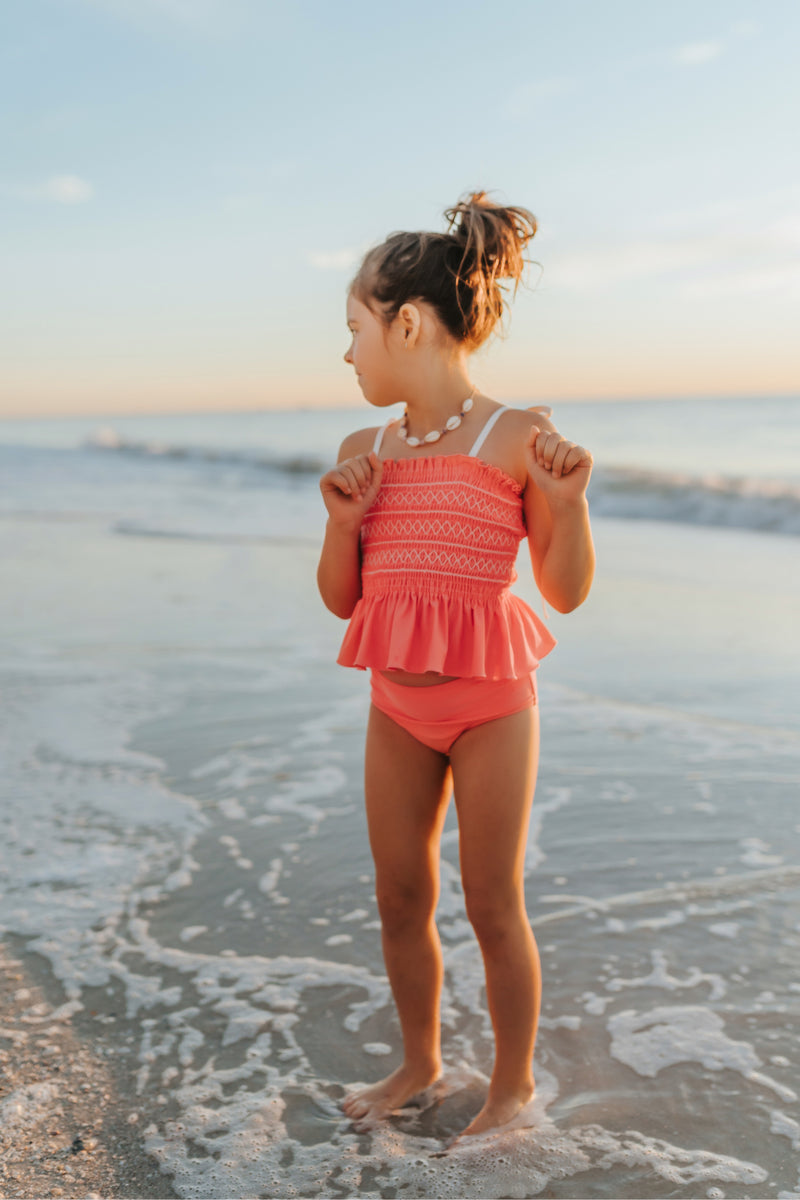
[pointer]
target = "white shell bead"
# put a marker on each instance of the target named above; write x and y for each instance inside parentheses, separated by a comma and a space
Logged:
(453, 423)
(412, 441)
(467, 404)
(433, 436)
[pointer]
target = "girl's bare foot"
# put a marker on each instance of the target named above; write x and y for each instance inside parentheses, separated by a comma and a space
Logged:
(385, 1097)
(498, 1113)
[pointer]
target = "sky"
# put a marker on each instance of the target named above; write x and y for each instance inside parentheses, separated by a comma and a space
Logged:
(187, 188)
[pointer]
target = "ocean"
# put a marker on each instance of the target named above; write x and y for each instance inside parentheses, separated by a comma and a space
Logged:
(184, 852)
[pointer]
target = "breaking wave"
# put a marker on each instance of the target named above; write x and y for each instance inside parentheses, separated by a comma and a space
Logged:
(635, 494)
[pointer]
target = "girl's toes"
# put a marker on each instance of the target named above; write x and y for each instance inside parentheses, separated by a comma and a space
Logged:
(366, 1122)
(354, 1107)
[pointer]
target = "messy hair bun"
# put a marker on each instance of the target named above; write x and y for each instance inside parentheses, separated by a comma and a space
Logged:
(458, 273)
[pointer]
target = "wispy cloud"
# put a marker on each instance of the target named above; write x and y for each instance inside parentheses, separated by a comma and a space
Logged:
(782, 279)
(334, 260)
(601, 270)
(68, 189)
(527, 98)
(60, 189)
(695, 53)
(714, 262)
(735, 212)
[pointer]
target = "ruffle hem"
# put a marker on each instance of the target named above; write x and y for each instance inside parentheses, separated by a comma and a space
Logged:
(450, 635)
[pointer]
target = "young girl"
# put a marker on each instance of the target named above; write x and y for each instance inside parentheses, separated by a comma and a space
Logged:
(425, 517)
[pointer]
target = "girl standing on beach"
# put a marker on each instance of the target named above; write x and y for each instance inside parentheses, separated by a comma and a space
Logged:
(425, 517)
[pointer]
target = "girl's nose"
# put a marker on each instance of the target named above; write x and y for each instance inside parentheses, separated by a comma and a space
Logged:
(348, 355)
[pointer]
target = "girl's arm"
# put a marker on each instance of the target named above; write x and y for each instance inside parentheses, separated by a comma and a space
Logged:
(557, 516)
(348, 491)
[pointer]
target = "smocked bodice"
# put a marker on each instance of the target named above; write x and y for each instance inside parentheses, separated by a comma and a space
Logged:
(438, 549)
(445, 525)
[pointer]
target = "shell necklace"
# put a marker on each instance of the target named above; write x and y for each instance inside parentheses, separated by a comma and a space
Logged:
(435, 434)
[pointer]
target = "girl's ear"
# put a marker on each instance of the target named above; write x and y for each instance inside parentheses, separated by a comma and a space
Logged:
(410, 320)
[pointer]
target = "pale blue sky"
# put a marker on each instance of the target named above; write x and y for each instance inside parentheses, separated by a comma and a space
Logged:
(186, 187)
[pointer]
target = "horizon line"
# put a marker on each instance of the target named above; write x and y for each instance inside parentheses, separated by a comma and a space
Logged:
(309, 406)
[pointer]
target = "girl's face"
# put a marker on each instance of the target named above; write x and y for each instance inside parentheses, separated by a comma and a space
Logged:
(370, 353)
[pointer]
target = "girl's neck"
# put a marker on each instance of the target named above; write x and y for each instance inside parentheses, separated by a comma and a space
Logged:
(432, 402)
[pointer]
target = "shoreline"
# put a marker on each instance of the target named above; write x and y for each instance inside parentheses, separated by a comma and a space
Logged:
(67, 1126)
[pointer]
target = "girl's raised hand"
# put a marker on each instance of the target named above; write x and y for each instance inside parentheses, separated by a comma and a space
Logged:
(350, 488)
(560, 469)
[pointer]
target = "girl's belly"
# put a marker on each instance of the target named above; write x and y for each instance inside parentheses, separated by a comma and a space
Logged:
(410, 679)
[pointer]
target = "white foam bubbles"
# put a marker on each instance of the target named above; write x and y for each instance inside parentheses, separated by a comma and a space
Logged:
(756, 853)
(85, 819)
(663, 1036)
(548, 800)
(786, 1127)
(661, 977)
(725, 929)
(358, 914)
(189, 932)
(660, 1037)
(295, 796)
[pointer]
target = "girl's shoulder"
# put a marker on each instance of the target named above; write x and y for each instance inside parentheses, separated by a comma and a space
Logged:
(510, 436)
(360, 442)
(523, 418)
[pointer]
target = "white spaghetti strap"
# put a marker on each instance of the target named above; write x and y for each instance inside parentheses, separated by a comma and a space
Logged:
(376, 445)
(487, 429)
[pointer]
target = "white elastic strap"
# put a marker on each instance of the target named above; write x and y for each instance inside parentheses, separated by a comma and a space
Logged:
(487, 429)
(376, 445)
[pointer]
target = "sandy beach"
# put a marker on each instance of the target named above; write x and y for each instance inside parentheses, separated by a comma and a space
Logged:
(68, 1129)
(192, 969)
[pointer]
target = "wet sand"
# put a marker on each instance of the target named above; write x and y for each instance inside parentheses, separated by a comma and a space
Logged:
(67, 1125)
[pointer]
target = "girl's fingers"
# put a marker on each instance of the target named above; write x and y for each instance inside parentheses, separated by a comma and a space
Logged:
(355, 476)
(374, 484)
(361, 476)
(558, 465)
(556, 454)
(352, 477)
(577, 456)
(334, 481)
(554, 441)
(545, 447)
(358, 473)
(340, 480)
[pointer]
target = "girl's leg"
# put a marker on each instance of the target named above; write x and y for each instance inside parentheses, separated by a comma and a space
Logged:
(494, 774)
(407, 789)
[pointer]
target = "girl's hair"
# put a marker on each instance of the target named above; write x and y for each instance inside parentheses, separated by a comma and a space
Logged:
(457, 273)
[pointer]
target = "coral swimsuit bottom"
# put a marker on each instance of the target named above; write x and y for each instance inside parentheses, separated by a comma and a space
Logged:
(438, 548)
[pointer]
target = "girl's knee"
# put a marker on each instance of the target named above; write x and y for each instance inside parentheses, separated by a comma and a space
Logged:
(494, 915)
(404, 910)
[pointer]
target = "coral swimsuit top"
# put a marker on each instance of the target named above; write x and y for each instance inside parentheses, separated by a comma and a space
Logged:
(438, 547)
